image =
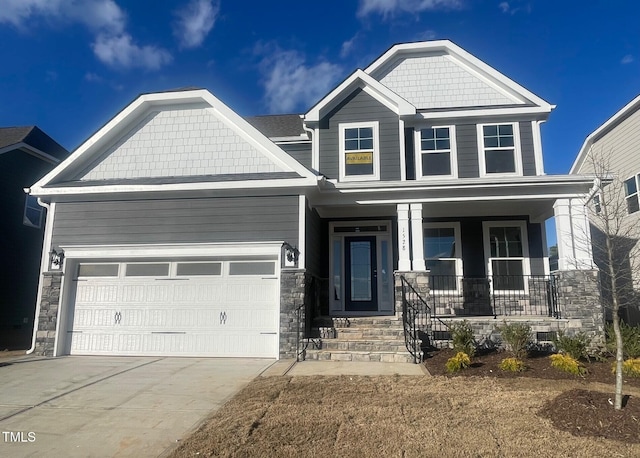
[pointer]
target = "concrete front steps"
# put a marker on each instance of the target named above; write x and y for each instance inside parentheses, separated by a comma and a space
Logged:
(378, 339)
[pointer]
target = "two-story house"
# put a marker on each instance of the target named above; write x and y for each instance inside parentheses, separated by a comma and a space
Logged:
(613, 149)
(418, 181)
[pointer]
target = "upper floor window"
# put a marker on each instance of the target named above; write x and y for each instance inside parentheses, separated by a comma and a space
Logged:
(32, 212)
(359, 151)
(631, 194)
(436, 152)
(499, 149)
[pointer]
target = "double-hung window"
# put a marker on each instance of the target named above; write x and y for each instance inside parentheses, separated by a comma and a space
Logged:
(631, 194)
(499, 149)
(359, 151)
(506, 243)
(33, 212)
(442, 255)
(436, 155)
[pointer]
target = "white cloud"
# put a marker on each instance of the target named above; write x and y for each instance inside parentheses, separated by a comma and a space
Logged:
(348, 46)
(519, 7)
(290, 83)
(93, 77)
(504, 6)
(104, 19)
(426, 35)
(627, 59)
(195, 21)
(120, 51)
(388, 8)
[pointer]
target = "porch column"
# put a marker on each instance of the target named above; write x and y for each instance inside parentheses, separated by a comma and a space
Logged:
(404, 259)
(417, 249)
(573, 235)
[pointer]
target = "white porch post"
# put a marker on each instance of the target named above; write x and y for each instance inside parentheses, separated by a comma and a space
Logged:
(573, 234)
(417, 250)
(404, 259)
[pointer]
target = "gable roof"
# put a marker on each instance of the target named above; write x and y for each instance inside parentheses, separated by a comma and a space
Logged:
(474, 70)
(601, 131)
(285, 126)
(360, 79)
(32, 140)
(91, 165)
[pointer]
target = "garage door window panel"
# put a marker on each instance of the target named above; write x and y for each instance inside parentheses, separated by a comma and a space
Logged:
(98, 270)
(193, 269)
(252, 268)
(147, 270)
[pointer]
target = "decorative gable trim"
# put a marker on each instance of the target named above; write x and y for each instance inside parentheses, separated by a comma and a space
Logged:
(124, 120)
(612, 122)
(502, 84)
(375, 89)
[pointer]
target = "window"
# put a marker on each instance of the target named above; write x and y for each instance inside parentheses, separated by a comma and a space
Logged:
(442, 255)
(187, 269)
(147, 270)
(252, 268)
(436, 152)
(597, 204)
(507, 246)
(32, 212)
(631, 194)
(359, 153)
(98, 270)
(499, 149)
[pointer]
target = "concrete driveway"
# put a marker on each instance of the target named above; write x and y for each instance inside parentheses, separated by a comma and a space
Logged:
(112, 406)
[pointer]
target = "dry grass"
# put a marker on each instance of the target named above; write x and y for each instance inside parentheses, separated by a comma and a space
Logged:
(393, 416)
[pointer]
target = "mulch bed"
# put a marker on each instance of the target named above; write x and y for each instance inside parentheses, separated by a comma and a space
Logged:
(581, 412)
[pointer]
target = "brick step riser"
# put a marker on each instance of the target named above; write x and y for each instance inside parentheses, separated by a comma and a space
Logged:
(369, 334)
(321, 355)
(363, 346)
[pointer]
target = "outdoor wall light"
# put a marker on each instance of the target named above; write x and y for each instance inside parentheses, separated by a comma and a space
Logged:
(56, 258)
(291, 254)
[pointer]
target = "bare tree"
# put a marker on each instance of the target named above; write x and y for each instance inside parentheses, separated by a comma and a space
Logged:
(614, 237)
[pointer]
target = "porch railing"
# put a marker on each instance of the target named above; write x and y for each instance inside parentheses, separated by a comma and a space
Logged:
(497, 295)
(416, 318)
(305, 315)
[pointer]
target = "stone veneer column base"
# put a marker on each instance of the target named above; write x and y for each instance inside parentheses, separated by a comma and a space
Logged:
(47, 318)
(419, 280)
(292, 296)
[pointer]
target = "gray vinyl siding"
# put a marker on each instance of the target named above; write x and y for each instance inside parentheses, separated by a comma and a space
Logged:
(314, 236)
(233, 219)
(301, 152)
(361, 107)
(467, 149)
(528, 154)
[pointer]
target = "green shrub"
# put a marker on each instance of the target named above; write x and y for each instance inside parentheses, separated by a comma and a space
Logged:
(512, 365)
(630, 340)
(630, 367)
(463, 339)
(517, 336)
(458, 362)
(574, 346)
(567, 363)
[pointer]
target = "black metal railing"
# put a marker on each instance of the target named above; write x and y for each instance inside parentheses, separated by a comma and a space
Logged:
(497, 295)
(416, 319)
(305, 315)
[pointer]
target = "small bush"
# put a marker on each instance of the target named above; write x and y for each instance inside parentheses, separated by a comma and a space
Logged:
(458, 362)
(512, 365)
(574, 346)
(463, 339)
(630, 367)
(567, 363)
(517, 336)
(630, 340)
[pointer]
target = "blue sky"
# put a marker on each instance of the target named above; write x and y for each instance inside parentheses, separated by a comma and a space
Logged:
(70, 65)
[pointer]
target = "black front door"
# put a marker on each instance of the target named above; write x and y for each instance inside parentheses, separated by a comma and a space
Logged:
(360, 274)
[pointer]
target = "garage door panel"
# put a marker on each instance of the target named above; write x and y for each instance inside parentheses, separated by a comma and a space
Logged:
(217, 315)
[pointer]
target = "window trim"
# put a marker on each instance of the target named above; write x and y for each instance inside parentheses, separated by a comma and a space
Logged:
(517, 149)
(374, 125)
(458, 252)
(526, 260)
(37, 207)
(453, 153)
(635, 194)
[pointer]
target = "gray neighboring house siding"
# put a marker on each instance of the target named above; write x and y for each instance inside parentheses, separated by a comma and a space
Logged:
(198, 220)
(301, 152)
(361, 107)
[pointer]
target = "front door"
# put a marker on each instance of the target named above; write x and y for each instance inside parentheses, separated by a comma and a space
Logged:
(361, 274)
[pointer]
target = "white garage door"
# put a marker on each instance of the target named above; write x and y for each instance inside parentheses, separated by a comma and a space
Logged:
(204, 308)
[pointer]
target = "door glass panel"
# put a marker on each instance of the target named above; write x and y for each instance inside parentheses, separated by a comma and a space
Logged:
(360, 271)
(385, 276)
(337, 269)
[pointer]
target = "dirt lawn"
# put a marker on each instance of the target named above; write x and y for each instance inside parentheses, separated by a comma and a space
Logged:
(397, 416)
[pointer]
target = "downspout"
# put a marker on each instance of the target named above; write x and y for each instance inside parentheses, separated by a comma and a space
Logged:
(314, 152)
(43, 262)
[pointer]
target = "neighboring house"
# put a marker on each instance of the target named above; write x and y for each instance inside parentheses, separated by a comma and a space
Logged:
(26, 154)
(188, 230)
(615, 145)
